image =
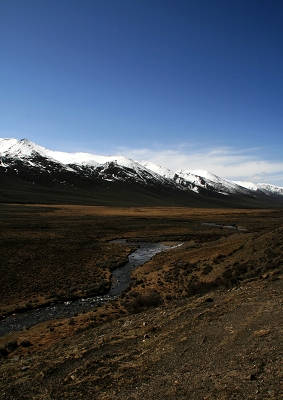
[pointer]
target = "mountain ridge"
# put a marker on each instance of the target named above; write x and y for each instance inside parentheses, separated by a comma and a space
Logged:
(36, 165)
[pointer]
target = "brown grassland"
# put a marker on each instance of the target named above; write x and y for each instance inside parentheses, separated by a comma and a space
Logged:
(200, 321)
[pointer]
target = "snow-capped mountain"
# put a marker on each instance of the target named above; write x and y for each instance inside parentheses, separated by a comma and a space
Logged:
(35, 164)
(30, 155)
(209, 181)
(263, 187)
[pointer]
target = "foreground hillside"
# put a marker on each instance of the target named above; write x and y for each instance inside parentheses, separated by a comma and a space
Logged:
(224, 345)
(200, 321)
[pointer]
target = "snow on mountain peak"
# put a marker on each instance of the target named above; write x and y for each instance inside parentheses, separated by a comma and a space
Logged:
(271, 189)
(247, 185)
(25, 148)
(158, 169)
(5, 144)
(20, 148)
(264, 187)
(204, 174)
(197, 175)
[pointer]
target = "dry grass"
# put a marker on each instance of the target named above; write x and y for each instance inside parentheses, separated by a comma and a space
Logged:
(189, 350)
(56, 252)
(201, 321)
(60, 252)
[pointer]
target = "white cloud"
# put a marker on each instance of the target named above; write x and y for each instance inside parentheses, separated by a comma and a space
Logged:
(229, 163)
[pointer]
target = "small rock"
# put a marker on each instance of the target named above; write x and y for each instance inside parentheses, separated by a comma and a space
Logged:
(25, 367)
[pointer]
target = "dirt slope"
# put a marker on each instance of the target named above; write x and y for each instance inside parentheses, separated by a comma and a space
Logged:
(224, 345)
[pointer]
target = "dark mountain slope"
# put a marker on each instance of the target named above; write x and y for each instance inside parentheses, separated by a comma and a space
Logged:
(14, 189)
(31, 174)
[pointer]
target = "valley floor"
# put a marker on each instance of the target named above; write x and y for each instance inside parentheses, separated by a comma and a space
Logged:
(201, 321)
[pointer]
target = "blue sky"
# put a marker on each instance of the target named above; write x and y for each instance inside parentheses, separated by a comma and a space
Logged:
(188, 84)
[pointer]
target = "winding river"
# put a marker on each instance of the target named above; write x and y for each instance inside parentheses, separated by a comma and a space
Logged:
(121, 278)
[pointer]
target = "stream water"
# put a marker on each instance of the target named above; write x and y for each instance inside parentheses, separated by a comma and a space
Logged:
(121, 278)
(220, 225)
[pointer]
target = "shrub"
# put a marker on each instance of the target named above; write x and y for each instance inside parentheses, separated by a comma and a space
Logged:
(25, 343)
(207, 269)
(241, 269)
(3, 352)
(140, 302)
(12, 345)
(227, 274)
(195, 287)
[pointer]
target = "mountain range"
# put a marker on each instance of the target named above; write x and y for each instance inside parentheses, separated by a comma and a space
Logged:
(30, 173)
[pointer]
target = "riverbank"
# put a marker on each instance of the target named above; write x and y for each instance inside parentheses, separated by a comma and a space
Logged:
(53, 254)
(223, 345)
(121, 280)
